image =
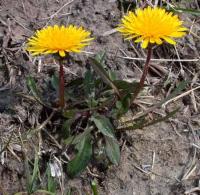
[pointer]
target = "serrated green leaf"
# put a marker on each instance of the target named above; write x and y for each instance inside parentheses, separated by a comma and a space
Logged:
(77, 138)
(123, 105)
(81, 160)
(112, 150)
(126, 86)
(103, 125)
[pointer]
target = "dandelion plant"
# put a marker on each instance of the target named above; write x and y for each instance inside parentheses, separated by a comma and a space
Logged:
(61, 40)
(151, 26)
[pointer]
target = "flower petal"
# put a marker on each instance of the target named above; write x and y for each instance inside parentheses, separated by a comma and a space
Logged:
(145, 43)
(169, 40)
(62, 53)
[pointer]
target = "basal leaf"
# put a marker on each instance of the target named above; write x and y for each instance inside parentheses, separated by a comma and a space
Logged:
(144, 123)
(104, 125)
(161, 119)
(89, 84)
(75, 139)
(112, 150)
(125, 86)
(82, 158)
(123, 105)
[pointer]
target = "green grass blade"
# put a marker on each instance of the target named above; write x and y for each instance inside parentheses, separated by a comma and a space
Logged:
(94, 188)
(185, 10)
(33, 87)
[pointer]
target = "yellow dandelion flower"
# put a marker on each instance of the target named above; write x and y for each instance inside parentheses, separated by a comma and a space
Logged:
(151, 25)
(58, 39)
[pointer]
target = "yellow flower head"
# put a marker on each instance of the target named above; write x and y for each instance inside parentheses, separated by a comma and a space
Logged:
(151, 25)
(58, 39)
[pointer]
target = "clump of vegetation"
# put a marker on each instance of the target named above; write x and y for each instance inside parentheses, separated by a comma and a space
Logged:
(90, 107)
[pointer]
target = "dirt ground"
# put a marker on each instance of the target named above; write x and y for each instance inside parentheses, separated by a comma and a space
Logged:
(162, 159)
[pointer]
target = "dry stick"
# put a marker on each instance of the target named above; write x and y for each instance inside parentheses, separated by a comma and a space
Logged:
(144, 74)
(43, 124)
(160, 60)
(181, 95)
(126, 57)
(7, 144)
(195, 189)
(56, 13)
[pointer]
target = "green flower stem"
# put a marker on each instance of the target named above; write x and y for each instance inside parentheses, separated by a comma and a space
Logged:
(144, 74)
(61, 85)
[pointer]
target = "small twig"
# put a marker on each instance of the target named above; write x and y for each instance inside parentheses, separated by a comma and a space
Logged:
(152, 59)
(180, 96)
(161, 60)
(153, 160)
(191, 168)
(92, 174)
(56, 13)
(14, 154)
(65, 69)
(42, 125)
(53, 139)
(20, 24)
(181, 65)
(7, 144)
(192, 190)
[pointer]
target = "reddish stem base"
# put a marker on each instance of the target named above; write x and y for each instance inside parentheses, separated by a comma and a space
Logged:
(61, 86)
(144, 74)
